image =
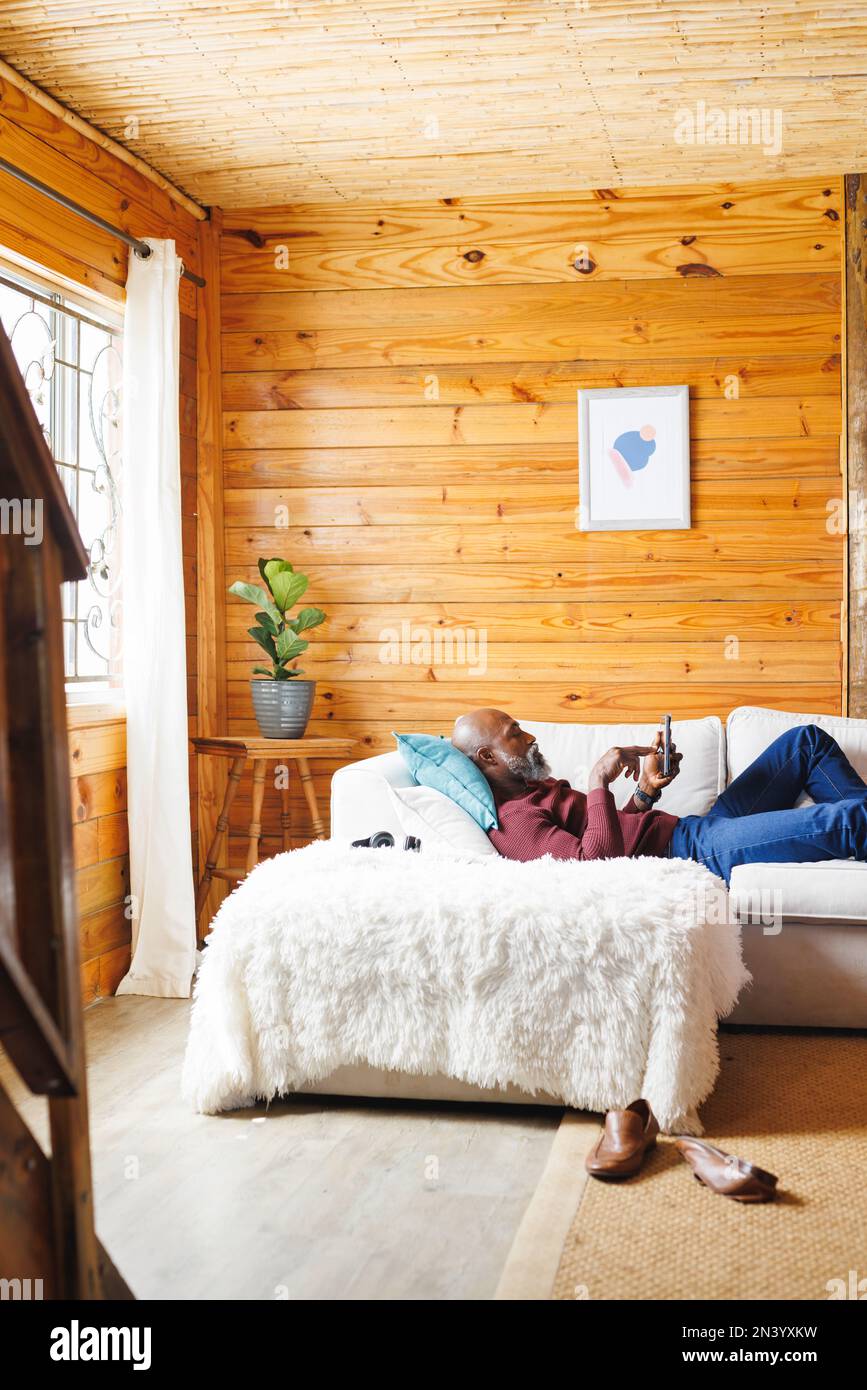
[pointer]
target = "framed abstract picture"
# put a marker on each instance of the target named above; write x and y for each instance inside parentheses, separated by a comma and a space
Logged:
(633, 459)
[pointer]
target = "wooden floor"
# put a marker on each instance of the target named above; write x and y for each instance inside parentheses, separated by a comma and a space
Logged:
(314, 1198)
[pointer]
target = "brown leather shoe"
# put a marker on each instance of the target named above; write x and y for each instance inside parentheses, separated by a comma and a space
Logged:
(628, 1134)
(725, 1173)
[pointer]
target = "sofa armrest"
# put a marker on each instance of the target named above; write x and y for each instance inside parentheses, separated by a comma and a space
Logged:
(361, 800)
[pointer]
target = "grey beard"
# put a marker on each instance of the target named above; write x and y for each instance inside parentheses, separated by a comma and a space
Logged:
(532, 767)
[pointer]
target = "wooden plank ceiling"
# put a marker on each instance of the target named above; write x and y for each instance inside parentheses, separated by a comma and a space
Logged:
(266, 102)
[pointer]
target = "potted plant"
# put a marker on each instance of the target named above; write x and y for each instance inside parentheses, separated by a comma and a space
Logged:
(281, 701)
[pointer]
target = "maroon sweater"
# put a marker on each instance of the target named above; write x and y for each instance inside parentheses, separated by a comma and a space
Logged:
(551, 818)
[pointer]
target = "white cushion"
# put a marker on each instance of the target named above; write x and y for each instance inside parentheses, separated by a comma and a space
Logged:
(440, 823)
(834, 890)
(572, 749)
(750, 729)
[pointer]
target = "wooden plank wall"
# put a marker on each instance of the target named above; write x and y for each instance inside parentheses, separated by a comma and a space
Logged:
(402, 380)
(62, 157)
(855, 292)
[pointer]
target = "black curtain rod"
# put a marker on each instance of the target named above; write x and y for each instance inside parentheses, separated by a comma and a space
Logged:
(140, 248)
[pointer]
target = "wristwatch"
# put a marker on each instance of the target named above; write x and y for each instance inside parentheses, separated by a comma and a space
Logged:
(645, 799)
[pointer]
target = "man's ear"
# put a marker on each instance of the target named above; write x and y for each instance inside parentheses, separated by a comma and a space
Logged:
(486, 755)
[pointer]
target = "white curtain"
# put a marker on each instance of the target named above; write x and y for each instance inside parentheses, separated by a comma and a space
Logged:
(154, 655)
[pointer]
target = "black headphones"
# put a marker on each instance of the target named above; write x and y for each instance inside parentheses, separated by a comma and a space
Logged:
(383, 839)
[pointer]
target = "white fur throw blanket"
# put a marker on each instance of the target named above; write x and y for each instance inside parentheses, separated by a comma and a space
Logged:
(598, 982)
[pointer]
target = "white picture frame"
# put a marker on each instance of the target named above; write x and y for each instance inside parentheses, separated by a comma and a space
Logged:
(633, 458)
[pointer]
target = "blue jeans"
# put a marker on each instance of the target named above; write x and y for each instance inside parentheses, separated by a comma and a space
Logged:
(754, 821)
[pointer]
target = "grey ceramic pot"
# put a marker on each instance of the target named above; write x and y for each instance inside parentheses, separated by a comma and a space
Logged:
(282, 707)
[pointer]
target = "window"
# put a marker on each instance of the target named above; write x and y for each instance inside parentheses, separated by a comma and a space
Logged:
(70, 358)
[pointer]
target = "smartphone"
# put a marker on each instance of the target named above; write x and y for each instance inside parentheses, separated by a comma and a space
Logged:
(666, 745)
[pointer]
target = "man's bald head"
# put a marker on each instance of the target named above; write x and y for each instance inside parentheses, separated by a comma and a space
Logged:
(472, 731)
(507, 755)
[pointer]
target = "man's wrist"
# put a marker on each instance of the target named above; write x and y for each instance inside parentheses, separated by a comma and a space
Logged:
(646, 799)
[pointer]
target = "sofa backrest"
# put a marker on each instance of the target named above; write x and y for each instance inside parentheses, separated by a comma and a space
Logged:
(378, 793)
(751, 728)
(572, 749)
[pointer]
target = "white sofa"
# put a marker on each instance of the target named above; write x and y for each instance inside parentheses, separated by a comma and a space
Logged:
(804, 925)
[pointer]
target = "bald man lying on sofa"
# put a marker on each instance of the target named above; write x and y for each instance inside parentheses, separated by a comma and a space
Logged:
(754, 821)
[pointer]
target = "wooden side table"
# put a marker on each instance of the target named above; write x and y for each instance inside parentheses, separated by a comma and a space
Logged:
(261, 751)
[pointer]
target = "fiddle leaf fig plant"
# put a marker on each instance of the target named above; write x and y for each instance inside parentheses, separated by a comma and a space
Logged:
(277, 634)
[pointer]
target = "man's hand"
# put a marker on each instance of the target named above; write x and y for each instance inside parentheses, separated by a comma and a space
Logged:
(652, 779)
(618, 760)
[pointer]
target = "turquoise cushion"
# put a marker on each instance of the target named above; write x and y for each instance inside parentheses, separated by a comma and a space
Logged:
(434, 762)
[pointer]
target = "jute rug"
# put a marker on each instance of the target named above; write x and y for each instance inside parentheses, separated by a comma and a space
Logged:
(793, 1103)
